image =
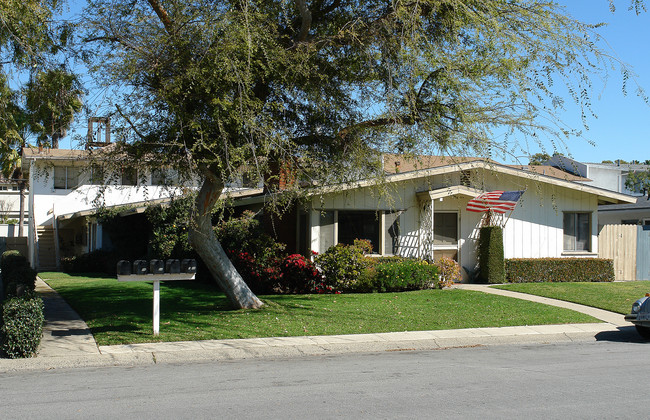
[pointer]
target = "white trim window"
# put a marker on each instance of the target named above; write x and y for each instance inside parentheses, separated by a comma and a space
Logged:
(381, 228)
(577, 231)
(66, 177)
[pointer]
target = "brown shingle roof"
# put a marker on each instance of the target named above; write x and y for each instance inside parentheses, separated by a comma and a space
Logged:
(399, 163)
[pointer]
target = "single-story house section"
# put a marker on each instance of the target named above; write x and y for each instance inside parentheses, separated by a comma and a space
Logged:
(423, 211)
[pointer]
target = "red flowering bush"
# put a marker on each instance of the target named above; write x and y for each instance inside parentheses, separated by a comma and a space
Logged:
(298, 275)
(261, 275)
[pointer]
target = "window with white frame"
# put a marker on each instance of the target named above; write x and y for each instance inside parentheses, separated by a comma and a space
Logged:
(160, 177)
(97, 175)
(357, 224)
(66, 177)
(344, 226)
(445, 228)
(577, 231)
(129, 176)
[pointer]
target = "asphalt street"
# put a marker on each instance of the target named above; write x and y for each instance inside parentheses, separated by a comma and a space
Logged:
(601, 379)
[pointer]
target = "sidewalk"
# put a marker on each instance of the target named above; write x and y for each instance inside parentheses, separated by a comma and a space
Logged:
(67, 341)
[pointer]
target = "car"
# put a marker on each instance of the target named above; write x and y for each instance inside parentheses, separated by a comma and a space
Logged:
(640, 316)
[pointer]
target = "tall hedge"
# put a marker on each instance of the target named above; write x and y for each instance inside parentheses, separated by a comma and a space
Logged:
(21, 318)
(22, 326)
(490, 255)
(17, 276)
(537, 270)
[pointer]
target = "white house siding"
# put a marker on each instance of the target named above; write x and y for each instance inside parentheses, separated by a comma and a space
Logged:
(48, 200)
(535, 228)
(610, 178)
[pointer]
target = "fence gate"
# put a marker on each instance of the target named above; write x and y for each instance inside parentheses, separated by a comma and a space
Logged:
(643, 252)
(619, 243)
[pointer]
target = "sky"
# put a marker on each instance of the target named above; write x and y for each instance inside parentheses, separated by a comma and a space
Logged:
(621, 129)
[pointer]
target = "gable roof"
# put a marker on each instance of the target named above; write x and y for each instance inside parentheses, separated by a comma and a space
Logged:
(464, 164)
(398, 164)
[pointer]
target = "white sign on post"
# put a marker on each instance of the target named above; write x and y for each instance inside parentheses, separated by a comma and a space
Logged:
(156, 279)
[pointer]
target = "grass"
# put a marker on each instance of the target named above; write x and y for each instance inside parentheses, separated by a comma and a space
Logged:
(615, 297)
(120, 313)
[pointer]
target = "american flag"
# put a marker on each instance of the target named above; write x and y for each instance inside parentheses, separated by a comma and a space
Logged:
(497, 201)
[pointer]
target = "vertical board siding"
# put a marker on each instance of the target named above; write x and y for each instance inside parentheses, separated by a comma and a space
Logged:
(619, 243)
(642, 254)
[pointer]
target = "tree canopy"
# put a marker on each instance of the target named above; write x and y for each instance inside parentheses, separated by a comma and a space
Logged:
(30, 41)
(217, 88)
(53, 97)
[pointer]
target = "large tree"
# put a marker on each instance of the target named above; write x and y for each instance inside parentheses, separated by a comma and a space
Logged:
(212, 88)
(53, 98)
(31, 41)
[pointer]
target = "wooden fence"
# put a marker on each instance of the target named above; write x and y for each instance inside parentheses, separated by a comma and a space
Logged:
(627, 246)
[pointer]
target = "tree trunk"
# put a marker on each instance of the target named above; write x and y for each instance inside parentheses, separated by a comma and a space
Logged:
(205, 243)
(55, 140)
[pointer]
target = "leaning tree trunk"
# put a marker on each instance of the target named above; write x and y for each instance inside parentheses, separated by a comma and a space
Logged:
(205, 243)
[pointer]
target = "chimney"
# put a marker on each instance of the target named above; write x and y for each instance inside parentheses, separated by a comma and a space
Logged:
(282, 177)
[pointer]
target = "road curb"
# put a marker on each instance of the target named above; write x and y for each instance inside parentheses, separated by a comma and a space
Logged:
(291, 347)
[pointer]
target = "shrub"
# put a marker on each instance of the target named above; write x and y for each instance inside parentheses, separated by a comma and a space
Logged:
(261, 275)
(17, 276)
(98, 261)
(342, 266)
(490, 255)
(169, 228)
(11, 259)
(299, 275)
(22, 326)
(255, 254)
(449, 272)
(535, 270)
(401, 275)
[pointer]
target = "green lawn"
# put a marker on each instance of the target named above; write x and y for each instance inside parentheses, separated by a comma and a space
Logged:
(615, 297)
(120, 312)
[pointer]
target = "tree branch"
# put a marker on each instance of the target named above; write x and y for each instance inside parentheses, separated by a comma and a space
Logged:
(379, 122)
(162, 15)
(305, 17)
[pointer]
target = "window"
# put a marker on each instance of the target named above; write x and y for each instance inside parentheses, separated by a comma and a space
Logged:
(66, 177)
(96, 175)
(326, 229)
(391, 233)
(359, 225)
(344, 226)
(445, 228)
(465, 178)
(577, 231)
(130, 176)
(160, 177)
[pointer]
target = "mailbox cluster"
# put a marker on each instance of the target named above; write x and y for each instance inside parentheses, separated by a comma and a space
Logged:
(141, 267)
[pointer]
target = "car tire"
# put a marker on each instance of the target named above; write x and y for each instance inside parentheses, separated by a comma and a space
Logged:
(644, 331)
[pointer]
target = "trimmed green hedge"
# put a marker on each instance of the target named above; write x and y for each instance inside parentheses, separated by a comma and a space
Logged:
(490, 255)
(398, 275)
(18, 277)
(22, 326)
(537, 270)
(21, 319)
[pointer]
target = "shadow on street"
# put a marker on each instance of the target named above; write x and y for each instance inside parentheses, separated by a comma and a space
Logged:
(623, 335)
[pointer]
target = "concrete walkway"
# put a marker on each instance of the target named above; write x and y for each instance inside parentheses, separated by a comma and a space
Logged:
(64, 333)
(67, 341)
(605, 316)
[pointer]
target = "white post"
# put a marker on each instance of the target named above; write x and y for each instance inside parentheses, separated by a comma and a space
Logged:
(156, 307)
